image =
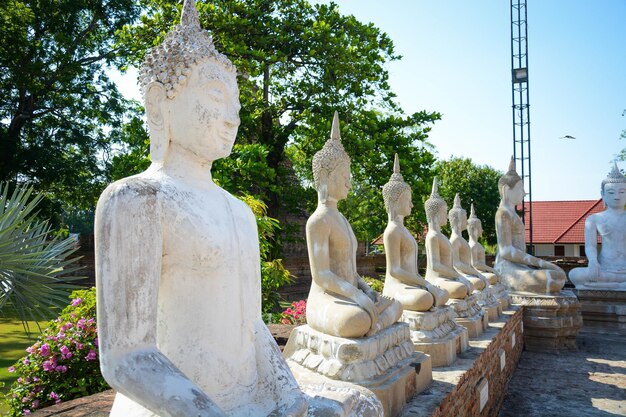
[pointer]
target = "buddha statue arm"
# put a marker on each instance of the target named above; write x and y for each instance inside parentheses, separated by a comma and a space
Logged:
(434, 259)
(394, 264)
(318, 235)
(129, 244)
(478, 258)
(508, 251)
(591, 245)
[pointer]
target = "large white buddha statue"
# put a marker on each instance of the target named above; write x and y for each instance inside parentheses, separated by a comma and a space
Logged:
(475, 231)
(518, 270)
(177, 257)
(402, 280)
(462, 260)
(606, 269)
(340, 302)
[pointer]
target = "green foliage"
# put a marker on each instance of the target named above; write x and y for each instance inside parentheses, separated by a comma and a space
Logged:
(273, 273)
(301, 62)
(63, 363)
(377, 284)
(57, 105)
(35, 267)
(476, 184)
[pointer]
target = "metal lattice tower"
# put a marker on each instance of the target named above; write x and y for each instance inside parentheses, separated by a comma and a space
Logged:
(521, 113)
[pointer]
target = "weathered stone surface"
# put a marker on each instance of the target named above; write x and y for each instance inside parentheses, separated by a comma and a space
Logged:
(604, 308)
(551, 322)
(470, 315)
(589, 382)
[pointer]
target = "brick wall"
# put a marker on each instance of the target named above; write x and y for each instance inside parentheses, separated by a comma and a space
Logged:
(464, 400)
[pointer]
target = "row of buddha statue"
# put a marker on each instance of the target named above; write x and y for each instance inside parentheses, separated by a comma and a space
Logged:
(178, 276)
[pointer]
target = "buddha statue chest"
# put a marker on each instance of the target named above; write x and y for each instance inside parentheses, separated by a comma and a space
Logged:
(342, 245)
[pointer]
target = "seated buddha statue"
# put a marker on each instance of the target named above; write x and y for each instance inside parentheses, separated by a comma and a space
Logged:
(340, 302)
(518, 270)
(440, 268)
(477, 251)
(177, 257)
(402, 281)
(461, 253)
(606, 269)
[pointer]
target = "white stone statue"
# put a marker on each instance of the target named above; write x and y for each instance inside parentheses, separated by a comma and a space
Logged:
(518, 270)
(441, 272)
(607, 269)
(462, 260)
(475, 231)
(431, 321)
(177, 257)
(402, 280)
(340, 302)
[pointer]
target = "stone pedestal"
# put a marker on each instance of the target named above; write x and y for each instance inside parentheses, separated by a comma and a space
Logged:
(606, 308)
(436, 333)
(551, 322)
(501, 295)
(489, 303)
(385, 364)
(470, 315)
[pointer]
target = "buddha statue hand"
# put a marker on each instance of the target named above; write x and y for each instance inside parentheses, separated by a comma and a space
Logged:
(297, 409)
(366, 303)
(439, 294)
(383, 302)
(593, 268)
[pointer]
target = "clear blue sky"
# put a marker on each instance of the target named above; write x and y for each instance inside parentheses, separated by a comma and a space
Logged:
(456, 60)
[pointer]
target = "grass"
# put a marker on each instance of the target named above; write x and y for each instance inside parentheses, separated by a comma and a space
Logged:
(13, 342)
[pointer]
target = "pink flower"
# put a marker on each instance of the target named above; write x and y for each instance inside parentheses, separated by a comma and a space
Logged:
(30, 349)
(81, 323)
(35, 404)
(76, 302)
(11, 369)
(65, 352)
(53, 395)
(79, 346)
(61, 368)
(44, 350)
(25, 361)
(50, 364)
(91, 356)
(26, 412)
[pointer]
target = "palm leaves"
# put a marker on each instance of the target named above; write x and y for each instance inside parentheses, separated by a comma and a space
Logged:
(34, 266)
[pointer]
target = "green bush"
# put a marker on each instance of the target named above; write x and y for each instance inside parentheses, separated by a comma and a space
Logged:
(376, 284)
(63, 364)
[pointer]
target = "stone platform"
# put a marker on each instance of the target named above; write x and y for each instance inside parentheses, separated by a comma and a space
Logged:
(470, 315)
(605, 308)
(385, 363)
(551, 322)
(436, 333)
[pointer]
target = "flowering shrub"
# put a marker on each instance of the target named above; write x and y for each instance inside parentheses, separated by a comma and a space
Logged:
(296, 314)
(63, 363)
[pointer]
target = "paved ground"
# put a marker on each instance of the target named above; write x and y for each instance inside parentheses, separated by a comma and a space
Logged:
(588, 383)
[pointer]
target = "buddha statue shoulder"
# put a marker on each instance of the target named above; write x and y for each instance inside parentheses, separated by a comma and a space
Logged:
(607, 266)
(440, 268)
(477, 251)
(461, 252)
(402, 280)
(518, 270)
(340, 302)
(177, 257)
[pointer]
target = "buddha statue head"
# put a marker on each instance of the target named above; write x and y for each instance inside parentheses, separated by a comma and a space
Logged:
(614, 189)
(190, 93)
(474, 225)
(511, 186)
(457, 215)
(436, 207)
(331, 167)
(397, 193)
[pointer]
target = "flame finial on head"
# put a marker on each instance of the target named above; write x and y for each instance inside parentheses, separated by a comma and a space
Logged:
(473, 220)
(457, 201)
(330, 156)
(335, 132)
(435, 203)
(511, 178)
(472, 212)
(456, 211)
(190, 15)
(615, 176)
(396, 185)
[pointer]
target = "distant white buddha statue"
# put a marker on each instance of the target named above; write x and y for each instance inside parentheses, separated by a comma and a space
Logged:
(518, 270)
(177, 257)
(402, 280)
(607, 269)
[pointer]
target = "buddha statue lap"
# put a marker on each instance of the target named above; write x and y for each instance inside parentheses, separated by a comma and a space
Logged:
(607, 269)
(177, 257)
(475, 231)
(518, 270)
(431, 321)
(440, 268)
(462, 261)
(350, 327)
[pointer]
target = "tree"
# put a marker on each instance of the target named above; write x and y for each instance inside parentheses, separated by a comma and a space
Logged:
(57, 105)
(476, 184)
(299, 63)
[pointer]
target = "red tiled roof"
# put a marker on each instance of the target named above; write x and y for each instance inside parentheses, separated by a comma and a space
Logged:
(561, 221)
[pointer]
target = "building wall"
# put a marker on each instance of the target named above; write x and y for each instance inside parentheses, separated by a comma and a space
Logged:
(547, 249)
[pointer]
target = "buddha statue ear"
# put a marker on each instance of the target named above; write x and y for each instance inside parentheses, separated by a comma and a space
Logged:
(156, 113)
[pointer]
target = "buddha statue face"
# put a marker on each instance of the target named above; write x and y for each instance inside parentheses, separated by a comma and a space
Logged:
(443, 215)
(515, 195)
(475, 229)
(614, 195)
(203, 116)
(404, 204)
(339, 182)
